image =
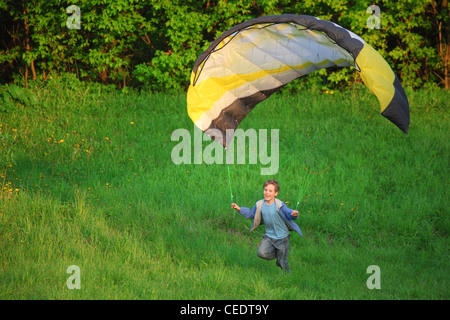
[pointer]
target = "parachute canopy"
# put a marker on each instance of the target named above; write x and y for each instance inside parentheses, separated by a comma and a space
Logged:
(252, 60)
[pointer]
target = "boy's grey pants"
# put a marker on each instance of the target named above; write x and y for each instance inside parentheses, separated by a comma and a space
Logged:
(270, 249)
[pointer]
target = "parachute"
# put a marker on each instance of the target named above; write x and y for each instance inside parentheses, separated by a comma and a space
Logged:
(254, 59)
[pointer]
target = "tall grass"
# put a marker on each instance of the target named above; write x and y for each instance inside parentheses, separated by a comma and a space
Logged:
(89, 181)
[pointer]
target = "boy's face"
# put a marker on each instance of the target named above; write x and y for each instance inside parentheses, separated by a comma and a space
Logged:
(269, 192)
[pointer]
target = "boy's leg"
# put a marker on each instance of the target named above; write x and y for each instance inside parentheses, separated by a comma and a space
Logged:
(282, 251)
(266, 250)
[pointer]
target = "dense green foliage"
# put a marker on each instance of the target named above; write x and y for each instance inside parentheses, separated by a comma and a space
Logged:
(155, 43)
(86, 179)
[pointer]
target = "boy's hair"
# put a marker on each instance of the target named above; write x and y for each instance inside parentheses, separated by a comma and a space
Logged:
(274, 182)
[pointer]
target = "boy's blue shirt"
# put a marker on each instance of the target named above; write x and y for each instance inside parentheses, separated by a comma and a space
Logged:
(284, 211)
(276, 228)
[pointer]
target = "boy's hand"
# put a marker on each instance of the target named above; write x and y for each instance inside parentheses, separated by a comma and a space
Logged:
(294, 213)
(235, 206)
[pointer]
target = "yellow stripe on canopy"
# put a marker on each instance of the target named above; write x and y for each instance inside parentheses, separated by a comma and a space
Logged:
(203, 95)
(376, 74)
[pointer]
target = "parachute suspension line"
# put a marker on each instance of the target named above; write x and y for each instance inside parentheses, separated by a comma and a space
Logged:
(303, 186)
(285, 161)
(229, 183)
(320, 171)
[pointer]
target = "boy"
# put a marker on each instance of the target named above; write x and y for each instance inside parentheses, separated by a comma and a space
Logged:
(278, 222)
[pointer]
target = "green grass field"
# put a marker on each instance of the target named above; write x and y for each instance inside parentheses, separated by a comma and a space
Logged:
(87, 180)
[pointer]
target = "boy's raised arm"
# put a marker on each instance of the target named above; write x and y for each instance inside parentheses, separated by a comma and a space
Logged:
(244, 211)
(289, 213)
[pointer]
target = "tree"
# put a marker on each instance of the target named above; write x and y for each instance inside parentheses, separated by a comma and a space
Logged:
(155, 43)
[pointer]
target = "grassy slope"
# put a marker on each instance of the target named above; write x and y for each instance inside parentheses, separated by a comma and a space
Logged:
(92, 184)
